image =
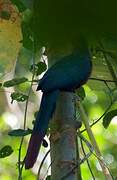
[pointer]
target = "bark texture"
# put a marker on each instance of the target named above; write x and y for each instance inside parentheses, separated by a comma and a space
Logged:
(63, 140)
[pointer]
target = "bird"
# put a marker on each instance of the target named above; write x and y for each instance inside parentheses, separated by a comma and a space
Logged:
(67, 74)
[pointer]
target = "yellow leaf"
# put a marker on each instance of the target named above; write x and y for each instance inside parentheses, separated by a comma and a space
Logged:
(10, 37)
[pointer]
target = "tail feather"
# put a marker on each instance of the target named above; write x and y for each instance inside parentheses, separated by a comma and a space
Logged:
(47, 108)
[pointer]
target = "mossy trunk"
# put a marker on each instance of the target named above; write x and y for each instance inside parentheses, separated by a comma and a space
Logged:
(63, 140)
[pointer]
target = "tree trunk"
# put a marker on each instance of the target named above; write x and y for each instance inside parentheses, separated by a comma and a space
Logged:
(63, 140)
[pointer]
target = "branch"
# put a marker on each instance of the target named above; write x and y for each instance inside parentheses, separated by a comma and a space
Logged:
(103, 80)
(88, 164)
(98, 118)
(21, 165)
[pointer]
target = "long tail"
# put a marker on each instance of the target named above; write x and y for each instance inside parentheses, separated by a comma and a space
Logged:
(47, 108)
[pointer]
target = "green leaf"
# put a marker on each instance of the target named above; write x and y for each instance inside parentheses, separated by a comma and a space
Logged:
(6, 151)
(27, 17)
(108, 117)
(81, 93)
(20, 5)
(18, 97)
(48, 178)
(27, 36)
(14, 82)
(20, 132)
(0, 84)
(5, 15)
(39, 68)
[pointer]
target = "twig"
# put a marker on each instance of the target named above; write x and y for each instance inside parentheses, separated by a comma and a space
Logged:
(91, 149)
(20, 166)
(93, 141)
(77, 164)
(48, 169)
(81, 141)
(98, 118)
(39, 170)
(86, 142)
(105, 165)
(103, 80)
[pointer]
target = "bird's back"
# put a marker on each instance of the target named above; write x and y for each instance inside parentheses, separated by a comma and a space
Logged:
(67, 74)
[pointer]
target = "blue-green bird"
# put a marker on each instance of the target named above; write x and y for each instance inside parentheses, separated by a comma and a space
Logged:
(69, 73)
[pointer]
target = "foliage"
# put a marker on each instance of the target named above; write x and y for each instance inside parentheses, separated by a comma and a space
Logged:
(10, 33)
(54, 22)
(47, 24)
(19, 4)
(39, 68)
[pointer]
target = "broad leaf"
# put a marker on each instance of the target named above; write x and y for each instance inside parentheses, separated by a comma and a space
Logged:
(18, 97)
(6, 151)
(14, 82)
(20, 132)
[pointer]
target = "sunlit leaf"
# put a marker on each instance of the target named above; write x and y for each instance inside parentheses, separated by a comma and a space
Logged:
(14, 82)
(10, 36)
(20, 132)
(6, 151)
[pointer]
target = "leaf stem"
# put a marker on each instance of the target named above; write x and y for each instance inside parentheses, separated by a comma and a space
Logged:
(20, 166)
